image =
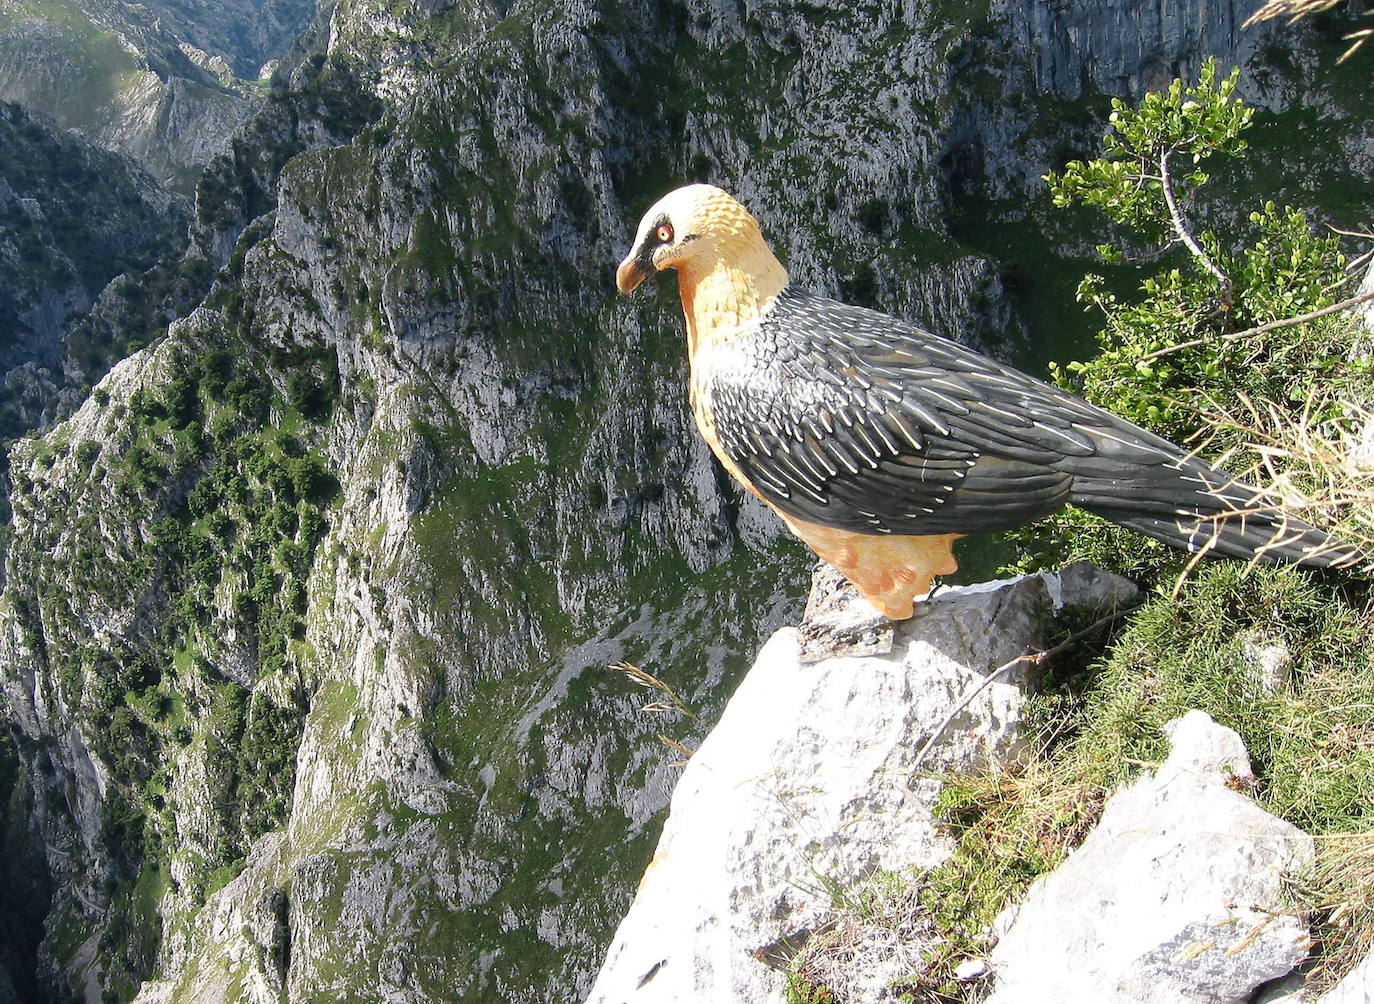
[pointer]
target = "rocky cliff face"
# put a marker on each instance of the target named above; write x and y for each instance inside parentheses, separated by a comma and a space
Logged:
(242, 36)
(72, 217)
(817, 780)
(165, 82)
(804, 831)
(308, 606)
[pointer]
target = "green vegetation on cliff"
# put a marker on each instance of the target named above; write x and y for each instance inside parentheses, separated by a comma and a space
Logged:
(1191, 356)
(227, 510)
(411, 249)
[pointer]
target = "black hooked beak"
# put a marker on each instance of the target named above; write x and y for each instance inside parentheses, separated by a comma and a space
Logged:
(634, 270)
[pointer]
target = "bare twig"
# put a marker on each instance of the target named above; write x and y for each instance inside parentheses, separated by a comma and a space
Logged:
(1189, 241)
(1033, 658)
(1349, 233)
(1286, 322)
(1358, 263)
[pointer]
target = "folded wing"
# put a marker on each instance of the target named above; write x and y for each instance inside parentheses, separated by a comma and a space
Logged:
(851, 419)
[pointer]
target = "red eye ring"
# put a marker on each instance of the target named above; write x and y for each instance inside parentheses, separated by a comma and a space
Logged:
(665, 233)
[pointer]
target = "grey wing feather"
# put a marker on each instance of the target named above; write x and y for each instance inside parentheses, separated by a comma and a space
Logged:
(853, 420)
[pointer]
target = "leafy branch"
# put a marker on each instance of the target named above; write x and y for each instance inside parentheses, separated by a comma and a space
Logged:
(1137, 181)
(1259, 329)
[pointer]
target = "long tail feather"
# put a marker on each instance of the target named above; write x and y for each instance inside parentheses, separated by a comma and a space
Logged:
(1191, 506)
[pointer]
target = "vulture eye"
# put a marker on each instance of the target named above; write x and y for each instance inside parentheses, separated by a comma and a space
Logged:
(665, 234)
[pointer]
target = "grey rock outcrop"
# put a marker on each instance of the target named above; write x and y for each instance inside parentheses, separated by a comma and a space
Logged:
(1174, 897)
(1124, 49)
(1288, 990)
(811, 783)
(1356, 987)
(1361, 455)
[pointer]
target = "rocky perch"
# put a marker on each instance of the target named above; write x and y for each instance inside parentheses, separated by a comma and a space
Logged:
(823, 772)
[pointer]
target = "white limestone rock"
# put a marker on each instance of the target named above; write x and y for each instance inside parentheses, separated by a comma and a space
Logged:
(1174, 897)
(1268, 663)
(810, 781)
(1361, 457)
(1201, 747)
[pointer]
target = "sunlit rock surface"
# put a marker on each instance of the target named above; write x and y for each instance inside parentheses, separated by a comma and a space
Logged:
(1176, 895)
(365, 716)
(815, 779)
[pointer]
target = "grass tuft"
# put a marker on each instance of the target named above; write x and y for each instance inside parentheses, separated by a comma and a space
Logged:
(668, 703)
(875, 942)
(1318, 468)
(1098, 722)
(1339, 896)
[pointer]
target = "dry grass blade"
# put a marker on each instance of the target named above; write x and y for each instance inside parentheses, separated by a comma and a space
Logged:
(640, 676)
(1340, 895)
(683, 751)
(661, 707)
(881, 938)
(1296, 10)
(1322, 472)
(670, 702)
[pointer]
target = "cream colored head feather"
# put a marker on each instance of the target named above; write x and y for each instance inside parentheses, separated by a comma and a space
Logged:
(697, 229)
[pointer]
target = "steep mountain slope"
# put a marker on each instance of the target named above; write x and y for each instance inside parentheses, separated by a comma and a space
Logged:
(245, 35)
(165, 83)
(308, 605)
(468, 530)
(72, 217)
(136, 308)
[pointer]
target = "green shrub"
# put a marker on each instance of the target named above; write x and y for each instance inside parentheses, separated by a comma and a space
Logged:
(1183, 359)
(86, 453)
(145, 407)
(1193, 357)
